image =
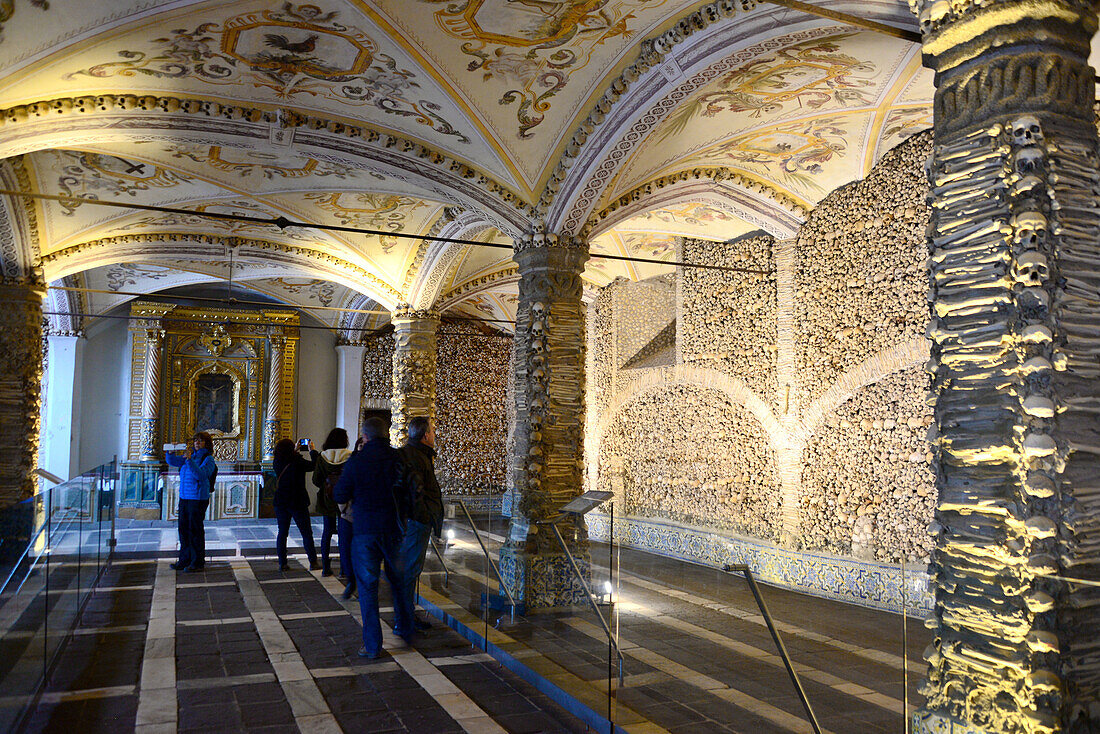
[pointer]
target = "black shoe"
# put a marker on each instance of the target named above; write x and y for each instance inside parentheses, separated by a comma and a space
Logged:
(348, 591)
(176, 567)
(194, 569)
(421, 624)
(326, 572)
(314, 566)
(283, 567)
(364, 653)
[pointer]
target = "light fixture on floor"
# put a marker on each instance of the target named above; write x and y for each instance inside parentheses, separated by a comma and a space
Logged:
(606, 596)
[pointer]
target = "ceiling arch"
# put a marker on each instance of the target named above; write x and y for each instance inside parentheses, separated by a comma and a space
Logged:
(175, 248)
(128, 120)
(441, 258)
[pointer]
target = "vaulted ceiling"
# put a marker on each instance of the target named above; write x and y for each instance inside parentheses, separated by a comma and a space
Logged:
(634, 122)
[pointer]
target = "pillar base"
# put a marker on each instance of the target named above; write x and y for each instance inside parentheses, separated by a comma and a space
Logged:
(544, 580)
(930, 722)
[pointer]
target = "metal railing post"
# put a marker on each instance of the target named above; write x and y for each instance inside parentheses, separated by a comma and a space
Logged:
(488, 557)
(446, 571)
(779, 645)
(588, 595)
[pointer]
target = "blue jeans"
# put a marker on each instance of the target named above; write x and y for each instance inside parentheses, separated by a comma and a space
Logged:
(192, 531)
(368, 550)
(343, 541)
(300, 515)
(328, 528)
(414, 545)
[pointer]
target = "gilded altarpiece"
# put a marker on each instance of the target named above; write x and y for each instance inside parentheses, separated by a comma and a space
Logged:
(224, 371)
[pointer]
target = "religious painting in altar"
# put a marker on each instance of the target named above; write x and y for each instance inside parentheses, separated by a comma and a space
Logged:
(214, 403)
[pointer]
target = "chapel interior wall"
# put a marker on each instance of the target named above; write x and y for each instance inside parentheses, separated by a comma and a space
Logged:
(827, 405)
(105, 387)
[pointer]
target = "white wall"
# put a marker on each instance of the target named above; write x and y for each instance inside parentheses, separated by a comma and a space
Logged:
(316, 390)
(105, 387)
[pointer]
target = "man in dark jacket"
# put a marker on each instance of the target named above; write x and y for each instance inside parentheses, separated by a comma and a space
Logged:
(368, 482)
(425, 502)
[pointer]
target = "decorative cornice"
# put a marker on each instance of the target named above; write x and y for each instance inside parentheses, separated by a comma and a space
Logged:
(50, 110)
(700, 173)
(540, 238)
(404, 312)
(651, 54)
(239, 243)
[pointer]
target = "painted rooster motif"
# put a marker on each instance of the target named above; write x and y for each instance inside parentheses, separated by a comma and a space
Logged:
(281, 42)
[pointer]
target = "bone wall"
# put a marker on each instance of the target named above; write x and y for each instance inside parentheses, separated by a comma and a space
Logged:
(860, 269)
(867, 486)
(471, 408)
(728, 319)
(472, 418)
(690, 455)
(377, 371)
(821, 413)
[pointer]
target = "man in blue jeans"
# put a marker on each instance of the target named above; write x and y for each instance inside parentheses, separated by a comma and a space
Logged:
(368, 482)
(426, 505)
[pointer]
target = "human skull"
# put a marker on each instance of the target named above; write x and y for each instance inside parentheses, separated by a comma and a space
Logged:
(1029, 229)
(1026, 130)
(1029, 161)
(1031, 268)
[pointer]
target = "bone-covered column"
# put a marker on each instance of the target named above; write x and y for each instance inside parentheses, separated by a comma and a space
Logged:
(150, 394)
(1014, 240)
(414, 353)
(20, 393)
(547, 459)
(272, 425)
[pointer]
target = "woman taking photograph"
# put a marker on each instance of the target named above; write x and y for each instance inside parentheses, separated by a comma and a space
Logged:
(197, 474)
(334, 453)
(292, 499)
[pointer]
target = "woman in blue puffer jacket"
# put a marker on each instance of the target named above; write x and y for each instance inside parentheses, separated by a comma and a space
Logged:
(197, 474)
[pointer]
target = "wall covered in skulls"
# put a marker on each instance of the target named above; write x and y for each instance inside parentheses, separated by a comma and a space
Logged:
(794, 406)
(472, 376)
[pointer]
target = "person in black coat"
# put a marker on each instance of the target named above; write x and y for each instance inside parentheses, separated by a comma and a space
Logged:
(292, 499)
(369, 483)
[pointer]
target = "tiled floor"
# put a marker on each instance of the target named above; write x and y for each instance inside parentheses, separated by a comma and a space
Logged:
(243, 647)
(250, 649)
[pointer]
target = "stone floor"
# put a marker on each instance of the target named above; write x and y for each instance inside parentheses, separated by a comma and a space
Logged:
(243, 647)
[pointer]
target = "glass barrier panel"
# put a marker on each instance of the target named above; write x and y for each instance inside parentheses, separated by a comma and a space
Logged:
(53, 552)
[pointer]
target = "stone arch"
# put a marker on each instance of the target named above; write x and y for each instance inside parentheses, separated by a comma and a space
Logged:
(780, 221)
(157, 247)
(440, 258)
(868, 372)
(657, 377)
(668, 68)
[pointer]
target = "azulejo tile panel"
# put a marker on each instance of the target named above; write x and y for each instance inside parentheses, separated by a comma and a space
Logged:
(477, 503)
(866, 583)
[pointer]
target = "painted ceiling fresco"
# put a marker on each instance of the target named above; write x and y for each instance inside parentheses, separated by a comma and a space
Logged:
(211, 182)
(799, 117)
(423, 116)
